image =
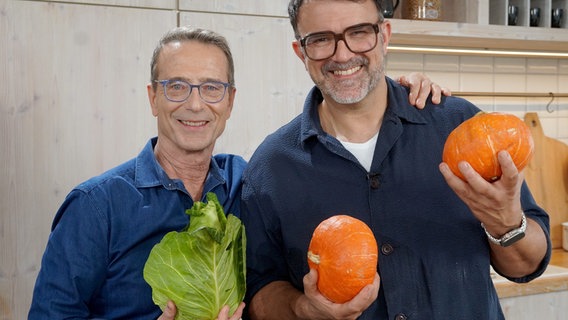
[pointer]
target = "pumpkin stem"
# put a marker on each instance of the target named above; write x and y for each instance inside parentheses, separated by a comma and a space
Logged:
(314, 257)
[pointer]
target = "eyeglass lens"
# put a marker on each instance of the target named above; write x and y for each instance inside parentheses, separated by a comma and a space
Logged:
(358, 39)
(179, 91)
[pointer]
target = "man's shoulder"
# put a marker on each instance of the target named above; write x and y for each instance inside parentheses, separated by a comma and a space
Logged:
(284, 139)
(230, 161)
(124, 171)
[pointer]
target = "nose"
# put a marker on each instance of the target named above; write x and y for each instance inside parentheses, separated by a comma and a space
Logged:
(342, 52)
(194, 101)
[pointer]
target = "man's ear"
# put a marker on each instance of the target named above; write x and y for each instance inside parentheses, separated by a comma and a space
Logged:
(232, 91)
(386, 33)
(152, 99)
(298, 50)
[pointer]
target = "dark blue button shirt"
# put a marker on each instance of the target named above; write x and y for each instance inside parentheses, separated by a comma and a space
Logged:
(103, 233)
(434, 258)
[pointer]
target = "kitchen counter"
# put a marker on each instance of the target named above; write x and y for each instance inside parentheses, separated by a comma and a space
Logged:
(554, 279)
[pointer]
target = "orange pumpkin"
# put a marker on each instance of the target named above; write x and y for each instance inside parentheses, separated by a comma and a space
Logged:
(344, 252)
(479, 139)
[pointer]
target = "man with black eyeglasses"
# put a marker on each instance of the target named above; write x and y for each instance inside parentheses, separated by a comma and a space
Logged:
(359, 149)
(103, 232)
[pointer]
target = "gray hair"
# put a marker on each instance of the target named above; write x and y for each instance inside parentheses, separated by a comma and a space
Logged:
(294, 10)
(197, 34)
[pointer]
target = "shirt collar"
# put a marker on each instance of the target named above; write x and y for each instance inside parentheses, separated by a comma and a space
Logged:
(398, 108)
(149, 172)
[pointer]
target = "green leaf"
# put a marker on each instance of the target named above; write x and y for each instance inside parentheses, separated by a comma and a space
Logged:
(203, 267)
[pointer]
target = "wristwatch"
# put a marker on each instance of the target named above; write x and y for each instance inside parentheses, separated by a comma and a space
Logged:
(510, 237)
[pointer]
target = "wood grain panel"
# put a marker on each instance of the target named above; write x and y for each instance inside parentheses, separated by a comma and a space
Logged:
(547, 177)
(157, 4)
(277, 8)
(74, 104)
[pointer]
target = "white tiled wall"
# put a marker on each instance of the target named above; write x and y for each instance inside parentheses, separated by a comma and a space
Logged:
(499, 74)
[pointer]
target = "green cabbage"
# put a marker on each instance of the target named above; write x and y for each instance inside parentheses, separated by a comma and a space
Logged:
(201, 268)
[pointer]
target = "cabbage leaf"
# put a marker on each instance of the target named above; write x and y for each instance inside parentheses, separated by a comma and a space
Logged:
(203, 267)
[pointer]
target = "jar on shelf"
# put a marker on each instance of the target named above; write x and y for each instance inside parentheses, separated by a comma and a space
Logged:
(422, 10)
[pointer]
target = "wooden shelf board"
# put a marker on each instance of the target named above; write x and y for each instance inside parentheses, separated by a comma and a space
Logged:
(467, 35)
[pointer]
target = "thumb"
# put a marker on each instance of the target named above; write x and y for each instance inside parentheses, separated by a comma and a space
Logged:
(169, 311)
(311, 280)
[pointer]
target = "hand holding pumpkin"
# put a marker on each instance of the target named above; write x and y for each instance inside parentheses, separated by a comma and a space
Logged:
(483, 159)
(497, 204)
(322, 308)
(344, 251)
(343, 279)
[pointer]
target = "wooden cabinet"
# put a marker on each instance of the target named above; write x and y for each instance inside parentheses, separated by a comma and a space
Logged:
(482, 24)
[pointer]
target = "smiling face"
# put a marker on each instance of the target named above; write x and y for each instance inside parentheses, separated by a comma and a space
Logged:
(191, 126)
(345, 77)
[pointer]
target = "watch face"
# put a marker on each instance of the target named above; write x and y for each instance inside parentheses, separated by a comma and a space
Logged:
(512, 239)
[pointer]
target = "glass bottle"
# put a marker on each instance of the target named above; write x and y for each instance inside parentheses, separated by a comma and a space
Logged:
(422, 10)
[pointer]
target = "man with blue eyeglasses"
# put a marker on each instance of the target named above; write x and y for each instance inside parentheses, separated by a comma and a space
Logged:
(104, 230)
(103, 233)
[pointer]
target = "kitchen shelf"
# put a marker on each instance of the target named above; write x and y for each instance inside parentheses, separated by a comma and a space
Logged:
(466, 24)
(468, 35)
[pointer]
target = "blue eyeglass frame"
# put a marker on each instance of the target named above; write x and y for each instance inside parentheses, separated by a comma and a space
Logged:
(191, 86)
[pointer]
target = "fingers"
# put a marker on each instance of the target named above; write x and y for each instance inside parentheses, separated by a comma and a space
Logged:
(421, 87)
(446, 91)
(473, 179)
(169, 311)
(224, 313)
(310, 282)
(493, 203)
(436, 93)
(510, 174)
(413, 82)
(365, 297)
(317, 304)
(469, 189)
(239, 312)
(453, 181)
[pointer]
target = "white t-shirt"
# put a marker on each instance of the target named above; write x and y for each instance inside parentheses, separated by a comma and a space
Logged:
(363, 151)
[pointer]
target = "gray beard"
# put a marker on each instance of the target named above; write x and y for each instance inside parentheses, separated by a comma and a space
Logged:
(336, 90)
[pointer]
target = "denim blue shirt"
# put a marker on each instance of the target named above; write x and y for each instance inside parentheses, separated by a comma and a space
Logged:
(103, 233)
(434, 258)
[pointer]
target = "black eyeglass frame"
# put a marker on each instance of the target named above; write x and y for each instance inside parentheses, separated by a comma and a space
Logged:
(341, 36)
(164, 83)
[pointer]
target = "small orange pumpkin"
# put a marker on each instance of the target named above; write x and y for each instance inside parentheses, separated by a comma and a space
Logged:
(479, 139)
(343, 250)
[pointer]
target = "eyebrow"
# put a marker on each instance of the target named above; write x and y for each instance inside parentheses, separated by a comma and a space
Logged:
(201, 80)
(349, 27)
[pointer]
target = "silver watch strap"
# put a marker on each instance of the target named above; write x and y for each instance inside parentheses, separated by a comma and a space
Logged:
(499, 241)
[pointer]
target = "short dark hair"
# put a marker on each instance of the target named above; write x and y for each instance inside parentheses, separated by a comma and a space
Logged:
(197, 34)
(294, 10)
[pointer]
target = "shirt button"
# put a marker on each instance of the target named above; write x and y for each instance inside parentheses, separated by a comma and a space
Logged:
(400, 316)
(387, 249)
(375, 182)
